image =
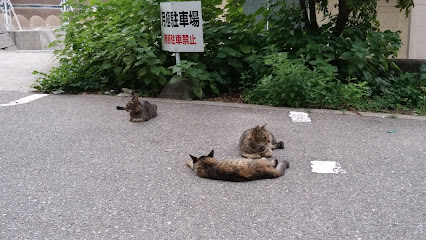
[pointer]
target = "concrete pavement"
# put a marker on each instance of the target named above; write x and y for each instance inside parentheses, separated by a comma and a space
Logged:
(17, 67)
(73, 167)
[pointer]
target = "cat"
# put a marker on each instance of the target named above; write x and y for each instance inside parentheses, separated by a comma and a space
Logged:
(258, 142)
(236, 170)
(139, 111)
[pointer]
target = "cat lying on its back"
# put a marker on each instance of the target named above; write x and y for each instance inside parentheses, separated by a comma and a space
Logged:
(258, 142)
(139, 111)
(238, 170)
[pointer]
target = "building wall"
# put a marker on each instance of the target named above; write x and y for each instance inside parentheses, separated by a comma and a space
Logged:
(22, 8)
(391, 18)
(417, 37)
(45, 2)
(412, 28)
(35, 14)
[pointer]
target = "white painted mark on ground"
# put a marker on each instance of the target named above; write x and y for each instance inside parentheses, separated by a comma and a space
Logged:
(326, 167)
(299, 117)
(24, 100)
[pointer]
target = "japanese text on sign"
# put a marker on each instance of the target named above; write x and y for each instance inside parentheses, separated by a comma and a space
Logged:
(179, 39)
(181, 26)
(175, 19)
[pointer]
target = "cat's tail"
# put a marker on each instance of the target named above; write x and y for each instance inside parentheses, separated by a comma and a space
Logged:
(121, 108)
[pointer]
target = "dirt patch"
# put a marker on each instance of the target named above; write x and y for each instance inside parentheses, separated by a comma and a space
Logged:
(231, 98)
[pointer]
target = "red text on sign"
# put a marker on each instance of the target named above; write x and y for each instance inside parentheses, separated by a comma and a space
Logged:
(179, 39)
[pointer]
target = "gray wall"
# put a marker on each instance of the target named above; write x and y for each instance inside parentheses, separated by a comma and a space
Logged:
(251, 6)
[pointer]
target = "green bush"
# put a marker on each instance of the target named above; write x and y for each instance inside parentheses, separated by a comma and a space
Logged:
(292, 83)
(363, 79)
(196, 73)
(359, 53)
(114, 46)
(116, 43)
(406, 91)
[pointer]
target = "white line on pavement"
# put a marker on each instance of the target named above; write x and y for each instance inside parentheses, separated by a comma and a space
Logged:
(24, 100)
(299, 117)
(326, 167)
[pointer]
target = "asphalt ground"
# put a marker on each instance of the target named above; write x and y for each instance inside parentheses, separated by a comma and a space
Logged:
(73, 167)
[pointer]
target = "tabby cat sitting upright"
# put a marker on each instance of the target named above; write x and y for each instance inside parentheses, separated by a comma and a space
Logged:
(258, 142)
(140, 111)
(236, 170)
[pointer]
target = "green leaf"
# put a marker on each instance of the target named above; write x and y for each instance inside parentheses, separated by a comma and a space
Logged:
(142, 72)
(360, 64)
(118, 70)
(245, 48)
(230, 51)
(176, 68)
(234, 62)
(259, 11)
(157, 70)
(347, 55)
(139, 62)
(175, 79)
(197, 91)
(193, 72)
(162, 80)
(214, 88)
(106, 65)
(221, 55)
(147, 80)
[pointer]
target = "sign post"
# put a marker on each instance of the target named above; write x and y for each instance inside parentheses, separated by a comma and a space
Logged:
(181, 27)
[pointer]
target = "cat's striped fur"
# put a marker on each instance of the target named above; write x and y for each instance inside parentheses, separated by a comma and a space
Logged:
(236, 170)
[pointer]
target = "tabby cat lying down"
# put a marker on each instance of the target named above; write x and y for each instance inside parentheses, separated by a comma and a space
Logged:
(140, 111)
(258, 142)
(237, 170)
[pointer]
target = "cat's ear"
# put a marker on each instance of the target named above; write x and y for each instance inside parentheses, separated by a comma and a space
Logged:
(194, 159)
(257, 128)
(135, 97)
(211, 154)
(263, 127)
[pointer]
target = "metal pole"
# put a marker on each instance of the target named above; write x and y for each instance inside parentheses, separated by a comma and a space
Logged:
(16, 17)
(267, 8)
(63, 5)
(6, 15)
(177, 55)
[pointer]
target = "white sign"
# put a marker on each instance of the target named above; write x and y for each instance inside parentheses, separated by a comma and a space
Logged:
(181, 26)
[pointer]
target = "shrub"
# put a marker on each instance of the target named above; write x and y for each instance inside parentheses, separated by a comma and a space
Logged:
(404, 92)
(116, 43)
(292, 83)
(110, 44)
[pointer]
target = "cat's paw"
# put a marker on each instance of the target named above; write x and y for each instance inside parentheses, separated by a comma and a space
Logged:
(275, 162)
(139, 119)
(252, 156)
(280, 145)
(189, 163)
(268, 153)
